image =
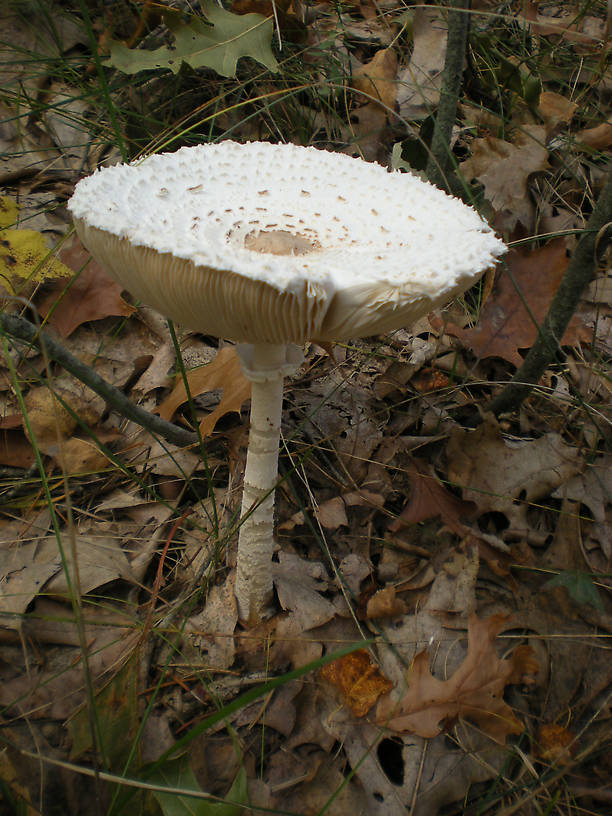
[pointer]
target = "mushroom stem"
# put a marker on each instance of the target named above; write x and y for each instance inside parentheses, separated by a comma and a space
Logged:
(265, 365)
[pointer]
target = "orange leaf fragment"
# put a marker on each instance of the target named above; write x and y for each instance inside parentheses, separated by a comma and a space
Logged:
(555, 744)
(358, 679)
(474, 692)
(224, 372)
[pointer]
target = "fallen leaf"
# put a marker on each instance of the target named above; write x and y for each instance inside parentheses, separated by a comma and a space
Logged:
(420, 81)
(15, 450)
(504, 169)
(52, 415)
(358, 679)
(510, 318)
(556, 110)
(474, 692)
(598, 137)
(503, 475)
(429, 498)
(25, 259)
(217, 41)
(377, 79)
(55, 694)
(554, 744)
(299, 584)
(385, 604)
(91, 295)
(209, 635)
(9, 212)
(332, 514)
(564, 23)
(224, 372)
(594, 489)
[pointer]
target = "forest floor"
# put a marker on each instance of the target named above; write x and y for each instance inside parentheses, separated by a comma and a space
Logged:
(439, 636)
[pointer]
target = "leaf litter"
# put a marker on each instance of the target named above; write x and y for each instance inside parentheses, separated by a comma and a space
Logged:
(468, 559)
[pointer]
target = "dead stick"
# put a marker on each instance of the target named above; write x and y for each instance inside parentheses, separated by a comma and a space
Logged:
(439, 161)
(577, 275)
(26, 332)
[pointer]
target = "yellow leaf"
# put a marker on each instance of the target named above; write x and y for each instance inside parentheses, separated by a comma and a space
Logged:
(8, 212)
(24, 256)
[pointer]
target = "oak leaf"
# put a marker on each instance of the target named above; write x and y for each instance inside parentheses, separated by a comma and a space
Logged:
(223, 372)
(504, 169)
(510, 318)
(474, 692)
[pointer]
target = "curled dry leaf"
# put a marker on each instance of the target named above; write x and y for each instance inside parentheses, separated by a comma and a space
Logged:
(358, 679)
(555, 744)
(377, 78)
(385, 604)
(556, 110)
(224, 372)
(474, 692)
(598, 137)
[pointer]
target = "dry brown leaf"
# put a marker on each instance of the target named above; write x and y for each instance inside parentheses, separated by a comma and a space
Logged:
(358, 679)
(15, 450)
(556, 110)
(505, 324)
(56, 694)
(79, 456)
(429, 498)
(501, 475)
(367, 125)
(332, 513)
(420, 81)
(555, 744)
(598, 137)
(224, 372)
(474, 692)
(377, 78)
(93, 295)
(385, 604)
(504, 169)
(584, 30)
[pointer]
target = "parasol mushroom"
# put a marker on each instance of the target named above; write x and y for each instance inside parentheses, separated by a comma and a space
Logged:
(271, 246)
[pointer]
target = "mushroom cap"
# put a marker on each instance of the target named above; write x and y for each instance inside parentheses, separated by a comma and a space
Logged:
(267, 243)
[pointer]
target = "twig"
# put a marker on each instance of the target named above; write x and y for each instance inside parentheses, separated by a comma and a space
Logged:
(440, 156)
(23, 330)
(577, 275)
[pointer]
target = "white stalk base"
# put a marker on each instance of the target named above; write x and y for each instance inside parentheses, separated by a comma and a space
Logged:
(265, 365)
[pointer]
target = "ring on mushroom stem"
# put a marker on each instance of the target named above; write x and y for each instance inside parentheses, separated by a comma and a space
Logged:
(274, 245)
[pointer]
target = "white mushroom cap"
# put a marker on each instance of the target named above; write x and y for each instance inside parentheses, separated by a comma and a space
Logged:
(268, 243)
